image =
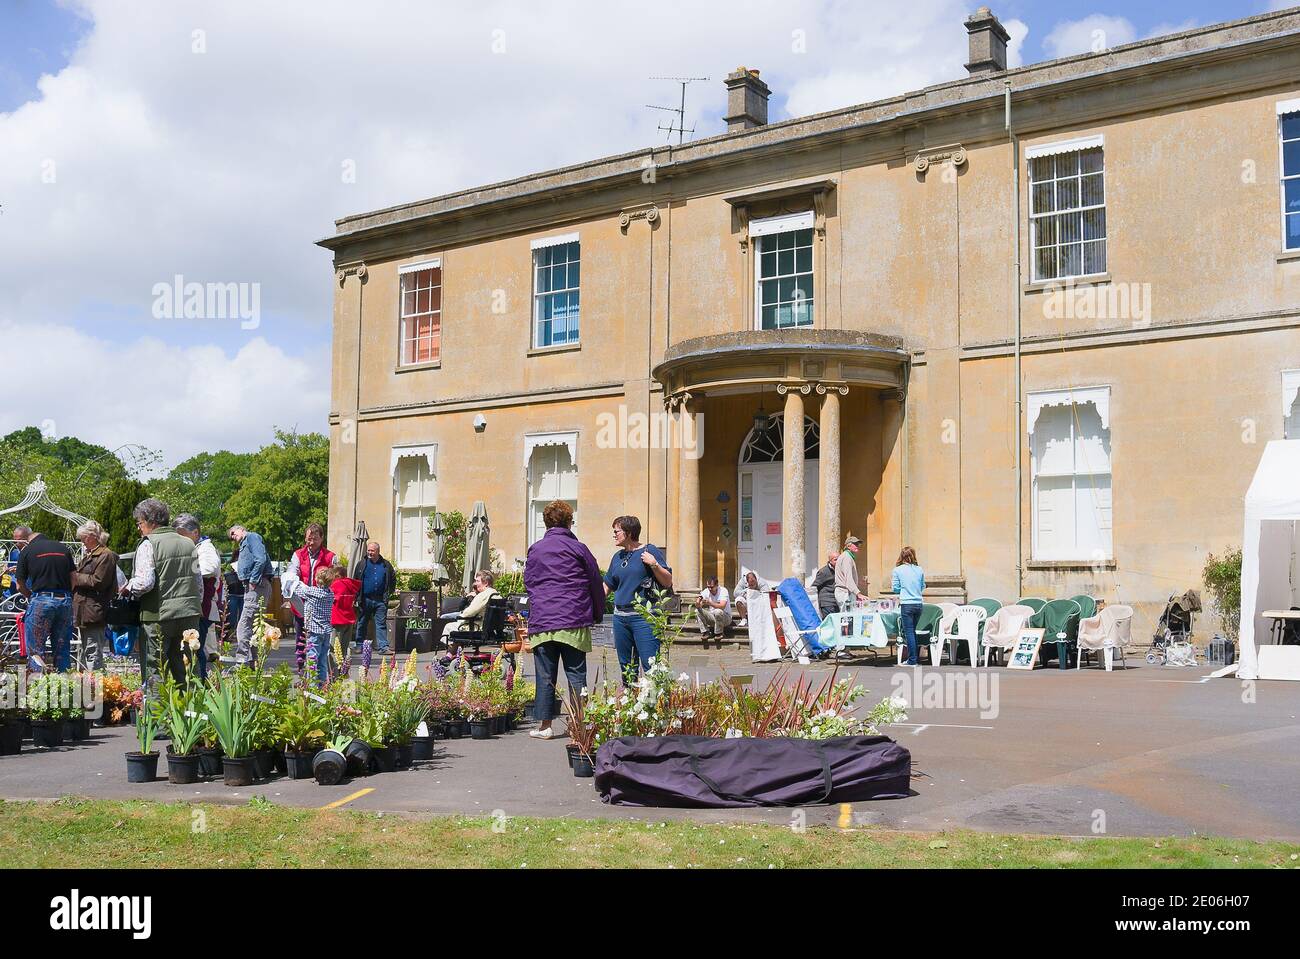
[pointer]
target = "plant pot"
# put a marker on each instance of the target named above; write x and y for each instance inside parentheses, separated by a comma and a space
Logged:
(456, 728)
(239, 770)
(48, 733)
(384, 759)
(279, 763)
(422, 749)
(572, 750)
(328, 766)
(358, 755)
(76, 730)
(480, 729)
(405, 752)
(419, 639)
(141, 767)
(11, 739)
(182, 770)
(209, 761)
(584, 767)
(298, 765)
(263, 763)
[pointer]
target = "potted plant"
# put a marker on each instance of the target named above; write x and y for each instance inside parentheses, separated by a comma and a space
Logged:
(583, 734)
(184, 719)
(46, 709)
(142, 765)
(419, 634)
(231, 718)
(209, 748)
(302, 733)
(78, 690)
(329, 765)
(11, 716)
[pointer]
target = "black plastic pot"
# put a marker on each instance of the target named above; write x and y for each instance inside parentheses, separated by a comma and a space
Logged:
(238, 770)
(48, 733)
(279, 765)
(456, 728)
(11, 739)
(209, 761)
(141, 767)
(583, 766)
(420, 640)
(404, 755)
(263, 763)
(328, 766)
(182, 770)
(480, 729)
(498, 725)
(572, 750)
(358, 755)
(76, 730)
(421, 749)
(298, 765)
(383, 759)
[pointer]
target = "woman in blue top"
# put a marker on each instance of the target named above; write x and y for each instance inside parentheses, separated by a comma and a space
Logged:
(909, 584)
(635, 569)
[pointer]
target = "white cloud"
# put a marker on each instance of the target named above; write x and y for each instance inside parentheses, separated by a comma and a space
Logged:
(181, 400)
(1092, 34)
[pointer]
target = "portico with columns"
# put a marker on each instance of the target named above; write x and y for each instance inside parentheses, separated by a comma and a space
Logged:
(797, 440)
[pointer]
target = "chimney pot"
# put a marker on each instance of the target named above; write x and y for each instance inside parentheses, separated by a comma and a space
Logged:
(988, 43)
(747, 97)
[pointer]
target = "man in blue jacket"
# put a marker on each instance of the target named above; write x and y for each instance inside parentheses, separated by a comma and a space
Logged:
(378, 579)
(254, 571)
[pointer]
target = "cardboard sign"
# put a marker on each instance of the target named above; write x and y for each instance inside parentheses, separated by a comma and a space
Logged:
(1025, 653)
(774, 529)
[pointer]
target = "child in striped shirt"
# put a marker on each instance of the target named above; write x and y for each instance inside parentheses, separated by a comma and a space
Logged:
(317, 605)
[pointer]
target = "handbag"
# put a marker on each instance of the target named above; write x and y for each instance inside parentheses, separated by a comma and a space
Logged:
(122, 611)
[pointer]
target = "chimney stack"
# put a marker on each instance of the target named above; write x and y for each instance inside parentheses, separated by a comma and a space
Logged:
(746, 100)
(988, 43)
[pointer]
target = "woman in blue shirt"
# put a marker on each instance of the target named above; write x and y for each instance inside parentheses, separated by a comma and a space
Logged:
(909, 584)
(635, 569)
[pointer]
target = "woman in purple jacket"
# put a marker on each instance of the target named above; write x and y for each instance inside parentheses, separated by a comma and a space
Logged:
(566, 596)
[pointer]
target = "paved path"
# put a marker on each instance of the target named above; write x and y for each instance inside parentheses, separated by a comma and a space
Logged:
(1146, 751)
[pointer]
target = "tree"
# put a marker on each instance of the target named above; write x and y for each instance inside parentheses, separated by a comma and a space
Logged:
(1222, 578)
(203, 485)
(285, 489)
(114, 514)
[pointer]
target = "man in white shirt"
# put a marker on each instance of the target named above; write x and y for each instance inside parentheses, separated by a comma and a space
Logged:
(846, 575)
(713, 610)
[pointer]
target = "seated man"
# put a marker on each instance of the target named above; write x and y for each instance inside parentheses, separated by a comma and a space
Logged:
(749, 581)
(713, 610)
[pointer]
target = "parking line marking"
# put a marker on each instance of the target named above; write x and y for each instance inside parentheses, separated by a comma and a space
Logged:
(939, 726)
(920, 729)
(347, 799)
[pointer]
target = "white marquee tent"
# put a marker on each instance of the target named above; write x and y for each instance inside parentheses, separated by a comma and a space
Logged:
(1270, 570)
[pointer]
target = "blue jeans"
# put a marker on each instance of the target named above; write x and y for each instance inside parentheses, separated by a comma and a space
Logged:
(546, 661)
(908, 614)
(321, 643)
(378, 609)
(634, 640)
(49, 617)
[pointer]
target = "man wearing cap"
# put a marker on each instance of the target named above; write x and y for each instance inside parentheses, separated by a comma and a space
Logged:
(846, 575)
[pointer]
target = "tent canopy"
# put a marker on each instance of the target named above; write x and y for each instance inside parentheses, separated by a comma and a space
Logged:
(1270, 545)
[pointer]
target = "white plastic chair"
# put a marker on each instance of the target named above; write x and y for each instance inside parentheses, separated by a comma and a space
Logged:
(1106, 632)
(935, 641)
(1002, 629)
(963, 626)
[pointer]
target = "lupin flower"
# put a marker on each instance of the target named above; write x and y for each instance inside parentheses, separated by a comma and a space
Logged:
(367, 650)
(411, 665)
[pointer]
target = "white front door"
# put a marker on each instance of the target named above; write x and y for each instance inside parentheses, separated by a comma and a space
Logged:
(762, 540)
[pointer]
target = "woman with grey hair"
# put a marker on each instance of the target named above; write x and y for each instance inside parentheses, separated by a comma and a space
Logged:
(94, 584)
(166, 586)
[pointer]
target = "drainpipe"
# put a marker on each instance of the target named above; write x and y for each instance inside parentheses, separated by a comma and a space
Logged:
(1015, 298)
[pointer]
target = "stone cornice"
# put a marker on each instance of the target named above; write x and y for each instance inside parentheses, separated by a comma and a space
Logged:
(1182, 68)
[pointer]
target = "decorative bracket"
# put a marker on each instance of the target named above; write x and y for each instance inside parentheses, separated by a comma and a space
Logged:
(357, 269)
(649, 213)
(954, 153)
(840, 388)
(784, 388)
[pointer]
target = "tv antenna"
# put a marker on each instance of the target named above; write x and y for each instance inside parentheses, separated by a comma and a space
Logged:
(680, 126)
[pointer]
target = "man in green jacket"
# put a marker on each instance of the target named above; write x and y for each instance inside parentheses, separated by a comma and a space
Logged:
(166, 586)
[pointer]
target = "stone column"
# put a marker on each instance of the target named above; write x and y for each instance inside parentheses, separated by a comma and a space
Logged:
(792, 513)
(829, 532)
(686, 567)
(892, 527)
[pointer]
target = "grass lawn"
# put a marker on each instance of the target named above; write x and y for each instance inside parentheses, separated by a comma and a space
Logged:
(80, 833)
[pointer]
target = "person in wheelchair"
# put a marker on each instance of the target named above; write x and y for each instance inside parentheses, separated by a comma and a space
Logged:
(470, 619)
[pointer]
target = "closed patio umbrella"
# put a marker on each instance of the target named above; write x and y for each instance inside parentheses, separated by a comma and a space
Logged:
(477, 552)
(357, 551)
(438, 533)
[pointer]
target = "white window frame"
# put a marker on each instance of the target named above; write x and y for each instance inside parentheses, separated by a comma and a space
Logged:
(1039, 400)
(1290, 391)
(429, 453)
(772, 226)
(1285, 108)
(543, 244)
(434, 264)
(1059, 147)
(532, 443)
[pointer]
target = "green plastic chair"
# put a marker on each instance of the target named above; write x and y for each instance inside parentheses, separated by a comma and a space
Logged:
(989, 606)
(1059, 621)
(1033, 602)
(927, 628)
(1087, 606)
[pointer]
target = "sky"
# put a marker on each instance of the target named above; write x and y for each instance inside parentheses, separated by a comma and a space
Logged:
(151, 140)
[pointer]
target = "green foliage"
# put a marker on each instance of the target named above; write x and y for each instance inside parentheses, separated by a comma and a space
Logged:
(1222, 578)
(510, 584)
(146, 725)
(203, 484)
(414, 581)
(453, 557)
(232, 716)
(114, 514)
(182, 714)
(286, 489)
(659, 616)
(303, 723)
